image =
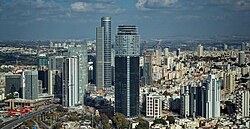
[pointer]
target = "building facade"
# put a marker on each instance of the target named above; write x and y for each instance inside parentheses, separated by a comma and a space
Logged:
(242, 102)
(127, 46)
(185, 101)
(100, 57)
(212, 96)
(70, 88)
(13, 84)
(55, 72)
(106, 24)
(202, 99)
(241, 58)
(199, 50)
(103, 53)
(153, 105)
(81, 52)
(30, 85)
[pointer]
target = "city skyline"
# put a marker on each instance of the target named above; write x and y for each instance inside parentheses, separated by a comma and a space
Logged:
(43, 19)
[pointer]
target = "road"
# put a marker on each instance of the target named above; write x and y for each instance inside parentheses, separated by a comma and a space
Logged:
(12, 123)
(43, 124)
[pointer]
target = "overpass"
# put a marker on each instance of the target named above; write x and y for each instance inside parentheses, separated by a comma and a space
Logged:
(12, 123)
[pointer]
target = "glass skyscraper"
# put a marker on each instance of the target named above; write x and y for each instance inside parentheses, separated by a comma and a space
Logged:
(103, 39)
(70, 77)
(127, 46)
(202, 99)
(99, 57)
(81, 52)
(30, 84)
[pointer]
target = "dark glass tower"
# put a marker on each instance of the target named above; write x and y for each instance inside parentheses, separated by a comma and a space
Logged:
(106, 24)
(103, 53)
(127, 45)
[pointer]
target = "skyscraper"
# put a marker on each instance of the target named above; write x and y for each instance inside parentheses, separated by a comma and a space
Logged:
(242, 102)
(81, 52)
(42, 62)
(241, 57)
(192, 100)
(30, 90)
(43, 77)
(201, 100)
(99, 57)
(70, 76)
(178, 52)
(55, 83)
(199, 50)
(212, 99)
(103, 38)
(127, 45)
(106, 24)
(55, 76)
(147, 69)
(166, 51)
(13, 84)
(185, 101)
(229, 82)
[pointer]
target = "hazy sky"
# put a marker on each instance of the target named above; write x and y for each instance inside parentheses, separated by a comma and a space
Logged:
(77, 19)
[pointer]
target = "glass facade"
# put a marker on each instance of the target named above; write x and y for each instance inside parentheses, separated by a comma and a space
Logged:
(100, 57)
(81, 52)
(106, 24)
(127, 46)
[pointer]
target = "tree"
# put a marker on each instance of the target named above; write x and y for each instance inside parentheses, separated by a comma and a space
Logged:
(73, 118)
(171, 119)
(142, 123)
(105, 121)
(160, 121)
(61, 109)
(120, 121)
(96, 120)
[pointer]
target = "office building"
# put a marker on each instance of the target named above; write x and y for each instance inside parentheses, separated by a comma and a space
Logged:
(185, 101)
(103, 53)
(70, 76)
(55, 83)
(201, 99)
(113, 65)
(55, 72)
(212, 96)
(2, 86)
(42, 62)
(166, 51)
(178, 52)
(243, 46)
(55, 62)
(106, 24)
(81, 52)
(192, 100)
(13, 83)
(100, 57)
(147, 69)
(43, 76)
(127, 46)
(225, 47)
(199, 50)
(241, 58)
(153, 105)
(30, 84)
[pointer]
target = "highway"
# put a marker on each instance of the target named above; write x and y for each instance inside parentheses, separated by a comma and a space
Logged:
(43, 124)
(12, 123)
